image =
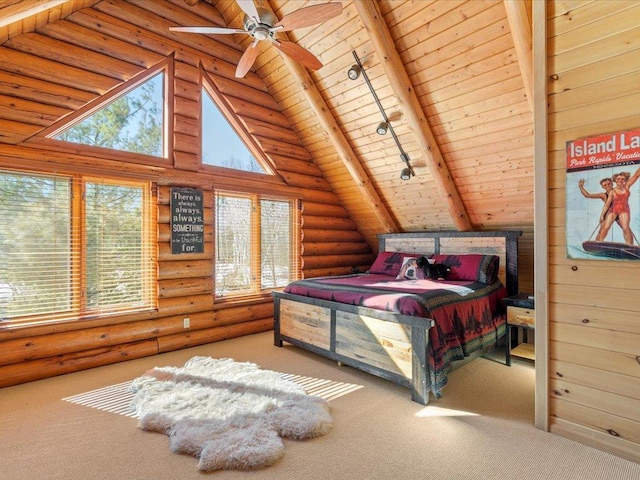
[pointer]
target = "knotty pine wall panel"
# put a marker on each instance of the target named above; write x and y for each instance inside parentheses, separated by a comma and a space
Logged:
(594, 325)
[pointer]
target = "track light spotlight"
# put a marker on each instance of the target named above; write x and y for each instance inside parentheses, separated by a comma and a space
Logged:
(382, 128)
(354, 72)
(405, 174)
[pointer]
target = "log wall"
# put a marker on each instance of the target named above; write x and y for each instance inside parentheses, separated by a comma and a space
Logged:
(47, 75)
(594, 327)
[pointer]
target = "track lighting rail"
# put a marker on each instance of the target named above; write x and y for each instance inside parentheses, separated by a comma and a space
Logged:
(353, 73)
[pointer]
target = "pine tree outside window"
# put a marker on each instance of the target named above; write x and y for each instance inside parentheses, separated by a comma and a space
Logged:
(132, 122)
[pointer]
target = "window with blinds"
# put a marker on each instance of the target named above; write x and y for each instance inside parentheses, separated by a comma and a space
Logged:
(74, 247)
(257, 246)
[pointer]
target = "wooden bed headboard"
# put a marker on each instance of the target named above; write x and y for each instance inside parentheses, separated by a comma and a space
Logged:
(503, 244)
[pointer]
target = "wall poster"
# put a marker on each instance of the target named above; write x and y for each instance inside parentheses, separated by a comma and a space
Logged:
(187, 220)
(603, 197)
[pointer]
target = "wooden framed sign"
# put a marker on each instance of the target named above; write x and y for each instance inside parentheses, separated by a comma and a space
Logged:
(603, 197)
(187, 220)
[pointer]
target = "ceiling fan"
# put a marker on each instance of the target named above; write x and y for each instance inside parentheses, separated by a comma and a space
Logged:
(261, 24)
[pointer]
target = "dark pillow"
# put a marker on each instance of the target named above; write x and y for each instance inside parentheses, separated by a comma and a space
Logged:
(474, 267)
(436, 271)
(387, 263)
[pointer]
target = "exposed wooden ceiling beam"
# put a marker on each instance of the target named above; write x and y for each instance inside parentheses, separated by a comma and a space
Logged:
(394, 69)
(340, 142)
(21, 9)
(521, 31)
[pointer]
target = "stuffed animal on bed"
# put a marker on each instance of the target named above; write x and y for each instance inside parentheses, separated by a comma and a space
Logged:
(410, 270)
(434, 271)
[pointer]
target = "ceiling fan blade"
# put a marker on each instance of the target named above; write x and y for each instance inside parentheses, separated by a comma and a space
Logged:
(249, 8)
(207, 30)
(307, 16)
(246, 61)
(298, 53)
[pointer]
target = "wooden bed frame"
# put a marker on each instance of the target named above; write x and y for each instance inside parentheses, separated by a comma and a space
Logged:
(390, 345)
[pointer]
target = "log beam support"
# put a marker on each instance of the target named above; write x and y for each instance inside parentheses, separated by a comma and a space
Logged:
(340, 143)
(520, 24)
(394, 69)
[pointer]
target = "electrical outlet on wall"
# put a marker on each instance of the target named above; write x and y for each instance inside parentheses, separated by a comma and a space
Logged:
(186, 322)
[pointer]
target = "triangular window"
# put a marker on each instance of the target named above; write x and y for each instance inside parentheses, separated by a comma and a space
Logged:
(221, 144)
(132, 121)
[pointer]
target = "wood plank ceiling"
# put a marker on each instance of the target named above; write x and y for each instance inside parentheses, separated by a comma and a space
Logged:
(447, 75)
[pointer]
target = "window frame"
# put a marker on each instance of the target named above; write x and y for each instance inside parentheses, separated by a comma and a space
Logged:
(238, 127)
(78, 308)
(255, 245)
(46, 138)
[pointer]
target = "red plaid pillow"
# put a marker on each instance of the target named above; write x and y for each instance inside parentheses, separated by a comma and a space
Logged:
(388, 263)
(474, 267)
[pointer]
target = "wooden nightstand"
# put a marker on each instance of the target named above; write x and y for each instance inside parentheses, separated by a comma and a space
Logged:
(520, 313)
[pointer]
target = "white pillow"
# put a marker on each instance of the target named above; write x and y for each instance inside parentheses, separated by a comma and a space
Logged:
(410, 270)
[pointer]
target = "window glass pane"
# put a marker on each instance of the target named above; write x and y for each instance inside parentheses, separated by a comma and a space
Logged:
(114, 245)
(221, 145)
(35, 244)
(132, 122)
(233, 244)
(275, 243)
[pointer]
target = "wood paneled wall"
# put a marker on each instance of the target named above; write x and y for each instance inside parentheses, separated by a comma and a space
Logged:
(594, 306)
(49, 74)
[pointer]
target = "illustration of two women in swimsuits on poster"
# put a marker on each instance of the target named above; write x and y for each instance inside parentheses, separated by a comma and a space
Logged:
(603, 197)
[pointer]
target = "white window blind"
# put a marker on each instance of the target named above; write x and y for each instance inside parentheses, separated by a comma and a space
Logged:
(35, 245)
(257, 247)
(74, 247)
(276, 250)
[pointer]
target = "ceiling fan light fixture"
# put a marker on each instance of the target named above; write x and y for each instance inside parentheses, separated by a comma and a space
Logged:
(260, 33)
(261, 24)
(382, 128)
(354, 72)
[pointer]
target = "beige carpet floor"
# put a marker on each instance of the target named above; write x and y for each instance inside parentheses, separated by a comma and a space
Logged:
(482, 428)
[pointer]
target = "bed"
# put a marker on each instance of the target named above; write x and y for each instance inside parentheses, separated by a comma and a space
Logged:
(394, 323)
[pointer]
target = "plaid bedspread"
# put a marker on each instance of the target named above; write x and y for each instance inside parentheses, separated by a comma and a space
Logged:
(467, 315)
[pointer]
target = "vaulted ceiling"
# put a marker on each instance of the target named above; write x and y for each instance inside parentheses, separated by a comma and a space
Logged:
(452, 76)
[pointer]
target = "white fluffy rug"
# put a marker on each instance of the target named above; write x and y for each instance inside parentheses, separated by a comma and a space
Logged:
(230, 415)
